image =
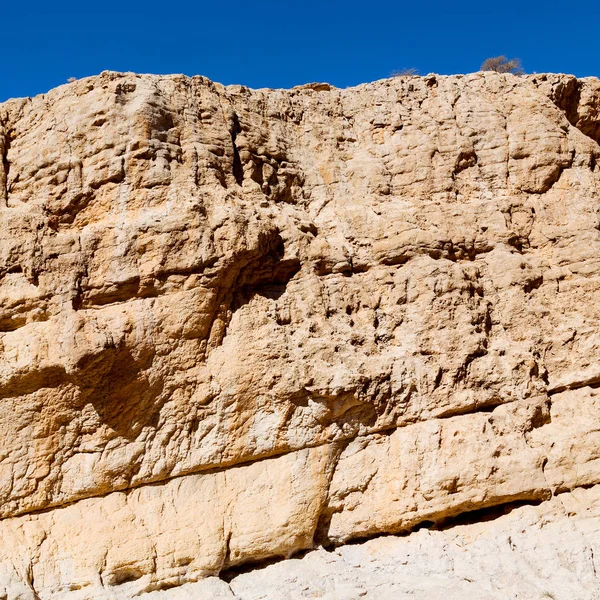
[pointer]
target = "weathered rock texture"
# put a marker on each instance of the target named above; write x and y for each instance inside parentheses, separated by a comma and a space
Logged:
(538, 552)
(239, 324)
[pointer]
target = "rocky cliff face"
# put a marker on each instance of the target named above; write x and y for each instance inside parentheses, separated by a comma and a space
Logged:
(237, 325)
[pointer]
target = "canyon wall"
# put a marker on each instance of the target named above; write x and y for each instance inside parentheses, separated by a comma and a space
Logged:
(239, 325)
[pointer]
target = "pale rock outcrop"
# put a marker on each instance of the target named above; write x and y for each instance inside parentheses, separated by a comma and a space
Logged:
(240, 324)
(544, 551)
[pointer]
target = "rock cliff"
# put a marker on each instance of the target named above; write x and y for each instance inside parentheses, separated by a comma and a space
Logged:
(239, 325)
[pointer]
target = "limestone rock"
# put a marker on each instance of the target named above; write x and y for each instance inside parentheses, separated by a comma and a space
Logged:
(236, 325)
(531, 552)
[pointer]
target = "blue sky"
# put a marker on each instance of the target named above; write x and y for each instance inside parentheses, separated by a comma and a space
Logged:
(287, 43)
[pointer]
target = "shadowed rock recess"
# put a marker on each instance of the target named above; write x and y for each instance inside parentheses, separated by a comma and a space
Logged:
(243, 332)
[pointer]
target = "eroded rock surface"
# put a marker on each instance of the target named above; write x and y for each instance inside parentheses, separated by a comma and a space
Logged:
(536, 552)
(239, 324)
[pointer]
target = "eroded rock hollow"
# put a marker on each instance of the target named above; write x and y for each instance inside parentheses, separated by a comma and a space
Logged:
(238, 325)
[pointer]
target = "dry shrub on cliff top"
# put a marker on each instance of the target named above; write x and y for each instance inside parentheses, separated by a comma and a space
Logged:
(406, 72)
(501, 64)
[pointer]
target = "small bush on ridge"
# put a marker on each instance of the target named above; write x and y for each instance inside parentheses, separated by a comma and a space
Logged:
(501, 64)
(405, 72)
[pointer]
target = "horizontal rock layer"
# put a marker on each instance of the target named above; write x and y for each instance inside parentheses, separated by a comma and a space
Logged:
(236, 324)
(195, 526)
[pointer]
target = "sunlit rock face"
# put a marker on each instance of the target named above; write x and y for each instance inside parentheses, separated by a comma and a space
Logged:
(237, 325)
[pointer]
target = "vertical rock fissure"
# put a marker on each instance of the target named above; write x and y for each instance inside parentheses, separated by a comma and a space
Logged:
(238, 171)
(4, 165)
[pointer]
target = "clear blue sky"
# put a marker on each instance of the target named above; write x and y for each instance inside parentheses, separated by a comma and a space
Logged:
(286, 43)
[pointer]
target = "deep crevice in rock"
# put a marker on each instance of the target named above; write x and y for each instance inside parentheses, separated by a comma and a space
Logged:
(482, 515)
(592, 382)
(229, 574)
(238, 170)
(5, 170)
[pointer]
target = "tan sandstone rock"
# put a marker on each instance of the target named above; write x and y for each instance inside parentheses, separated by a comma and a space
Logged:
(239, 324)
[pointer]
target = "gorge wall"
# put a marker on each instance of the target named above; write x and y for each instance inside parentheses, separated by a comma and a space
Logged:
(238, 325)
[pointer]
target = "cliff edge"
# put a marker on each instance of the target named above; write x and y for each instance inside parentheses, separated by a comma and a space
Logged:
(239, 325)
